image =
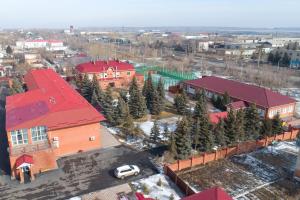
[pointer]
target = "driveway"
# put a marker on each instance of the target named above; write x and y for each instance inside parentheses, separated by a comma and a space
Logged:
(79, 174)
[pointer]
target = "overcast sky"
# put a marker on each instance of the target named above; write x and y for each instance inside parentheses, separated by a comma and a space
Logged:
(99, 13)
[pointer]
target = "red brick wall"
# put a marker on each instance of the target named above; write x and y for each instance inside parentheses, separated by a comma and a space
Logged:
(42, 161)
(244, 147)
(75, 139)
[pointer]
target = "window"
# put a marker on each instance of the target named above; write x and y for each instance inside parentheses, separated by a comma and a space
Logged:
(128, 73)
(19, 137)
(39, 133)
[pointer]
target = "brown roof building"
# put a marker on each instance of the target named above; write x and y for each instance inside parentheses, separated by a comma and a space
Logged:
(268, 102)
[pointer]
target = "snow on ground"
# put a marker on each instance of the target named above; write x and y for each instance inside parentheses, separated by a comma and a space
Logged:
(162, 192)
(171, 123)
(289, 147)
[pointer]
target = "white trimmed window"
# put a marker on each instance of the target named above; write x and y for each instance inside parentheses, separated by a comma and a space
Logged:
(19, 137)
(39, 133)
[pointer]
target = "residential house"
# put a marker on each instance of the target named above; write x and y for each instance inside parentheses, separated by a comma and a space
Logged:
(111, 73)
(47, 122)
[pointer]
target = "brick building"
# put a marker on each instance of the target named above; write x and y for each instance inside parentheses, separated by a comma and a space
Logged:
(110, 73)
(268, 102)
(48, 121)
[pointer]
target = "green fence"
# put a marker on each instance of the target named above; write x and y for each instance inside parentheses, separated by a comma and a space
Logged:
(170, 77)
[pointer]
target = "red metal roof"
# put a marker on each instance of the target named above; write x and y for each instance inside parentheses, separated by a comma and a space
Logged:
(215, 193)
(50, 102)
(215, 117)
(249, 93)
(24, 159)
(101, 66)
(237, 105)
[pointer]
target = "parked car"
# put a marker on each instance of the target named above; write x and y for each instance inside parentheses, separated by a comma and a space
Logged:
(126, 170)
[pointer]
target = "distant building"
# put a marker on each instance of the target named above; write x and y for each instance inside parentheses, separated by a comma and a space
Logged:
(268, 102)
(110, 73)
(294, 56)
(50, 45)
(47, 122)
(281, 42)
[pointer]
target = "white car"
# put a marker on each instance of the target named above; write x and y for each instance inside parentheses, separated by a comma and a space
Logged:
(126, 170)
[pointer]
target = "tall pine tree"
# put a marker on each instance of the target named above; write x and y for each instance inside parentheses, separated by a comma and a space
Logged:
(86, 89)
(202, 126)
(182, 139)
(137, 105)
(154, 134)
(277, 124)
(160, 89)
(157, 104)
(148, 92)
(266, 128)
(252, 122)
(220, 137)
(121, 113)
(240, 125)
(180, 103)
(230, 127)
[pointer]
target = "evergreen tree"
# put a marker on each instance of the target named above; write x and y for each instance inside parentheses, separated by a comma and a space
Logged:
(277, 58)
(148, 92)
(202, 127)
(180, 103)
(137, 106)
(230, 127)
(220, 137)
(123, 93)
(128, 126)
(225, 100)
(285, 60)
(9, 50)
(95, 100)
(266, 129)
(240, 125)
(167, 133)
(172, 144)
(206, 138)
(107, 106)
(182, 139)
(95, 84)
(252, 124)
(86, 88)
(157, 104)
(271, 57)
(16, 87)
(78, 81)
(195, 133)
(121, 113)
(277, 124)
(160, 89)
(154, 135)
(200, 109)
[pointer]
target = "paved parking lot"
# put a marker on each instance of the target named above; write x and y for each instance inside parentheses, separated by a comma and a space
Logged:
(79, 174)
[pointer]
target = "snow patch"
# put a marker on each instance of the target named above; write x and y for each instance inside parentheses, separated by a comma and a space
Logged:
(162, 192)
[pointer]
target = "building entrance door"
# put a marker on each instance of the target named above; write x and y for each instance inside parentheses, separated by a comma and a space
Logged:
(26, 172)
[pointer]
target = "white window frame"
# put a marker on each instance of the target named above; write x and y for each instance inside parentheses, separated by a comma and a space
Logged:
(19, 137)
(39, 133)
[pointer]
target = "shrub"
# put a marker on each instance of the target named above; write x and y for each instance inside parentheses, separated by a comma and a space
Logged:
(145, 189)
(171, 197)
(159, 182)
